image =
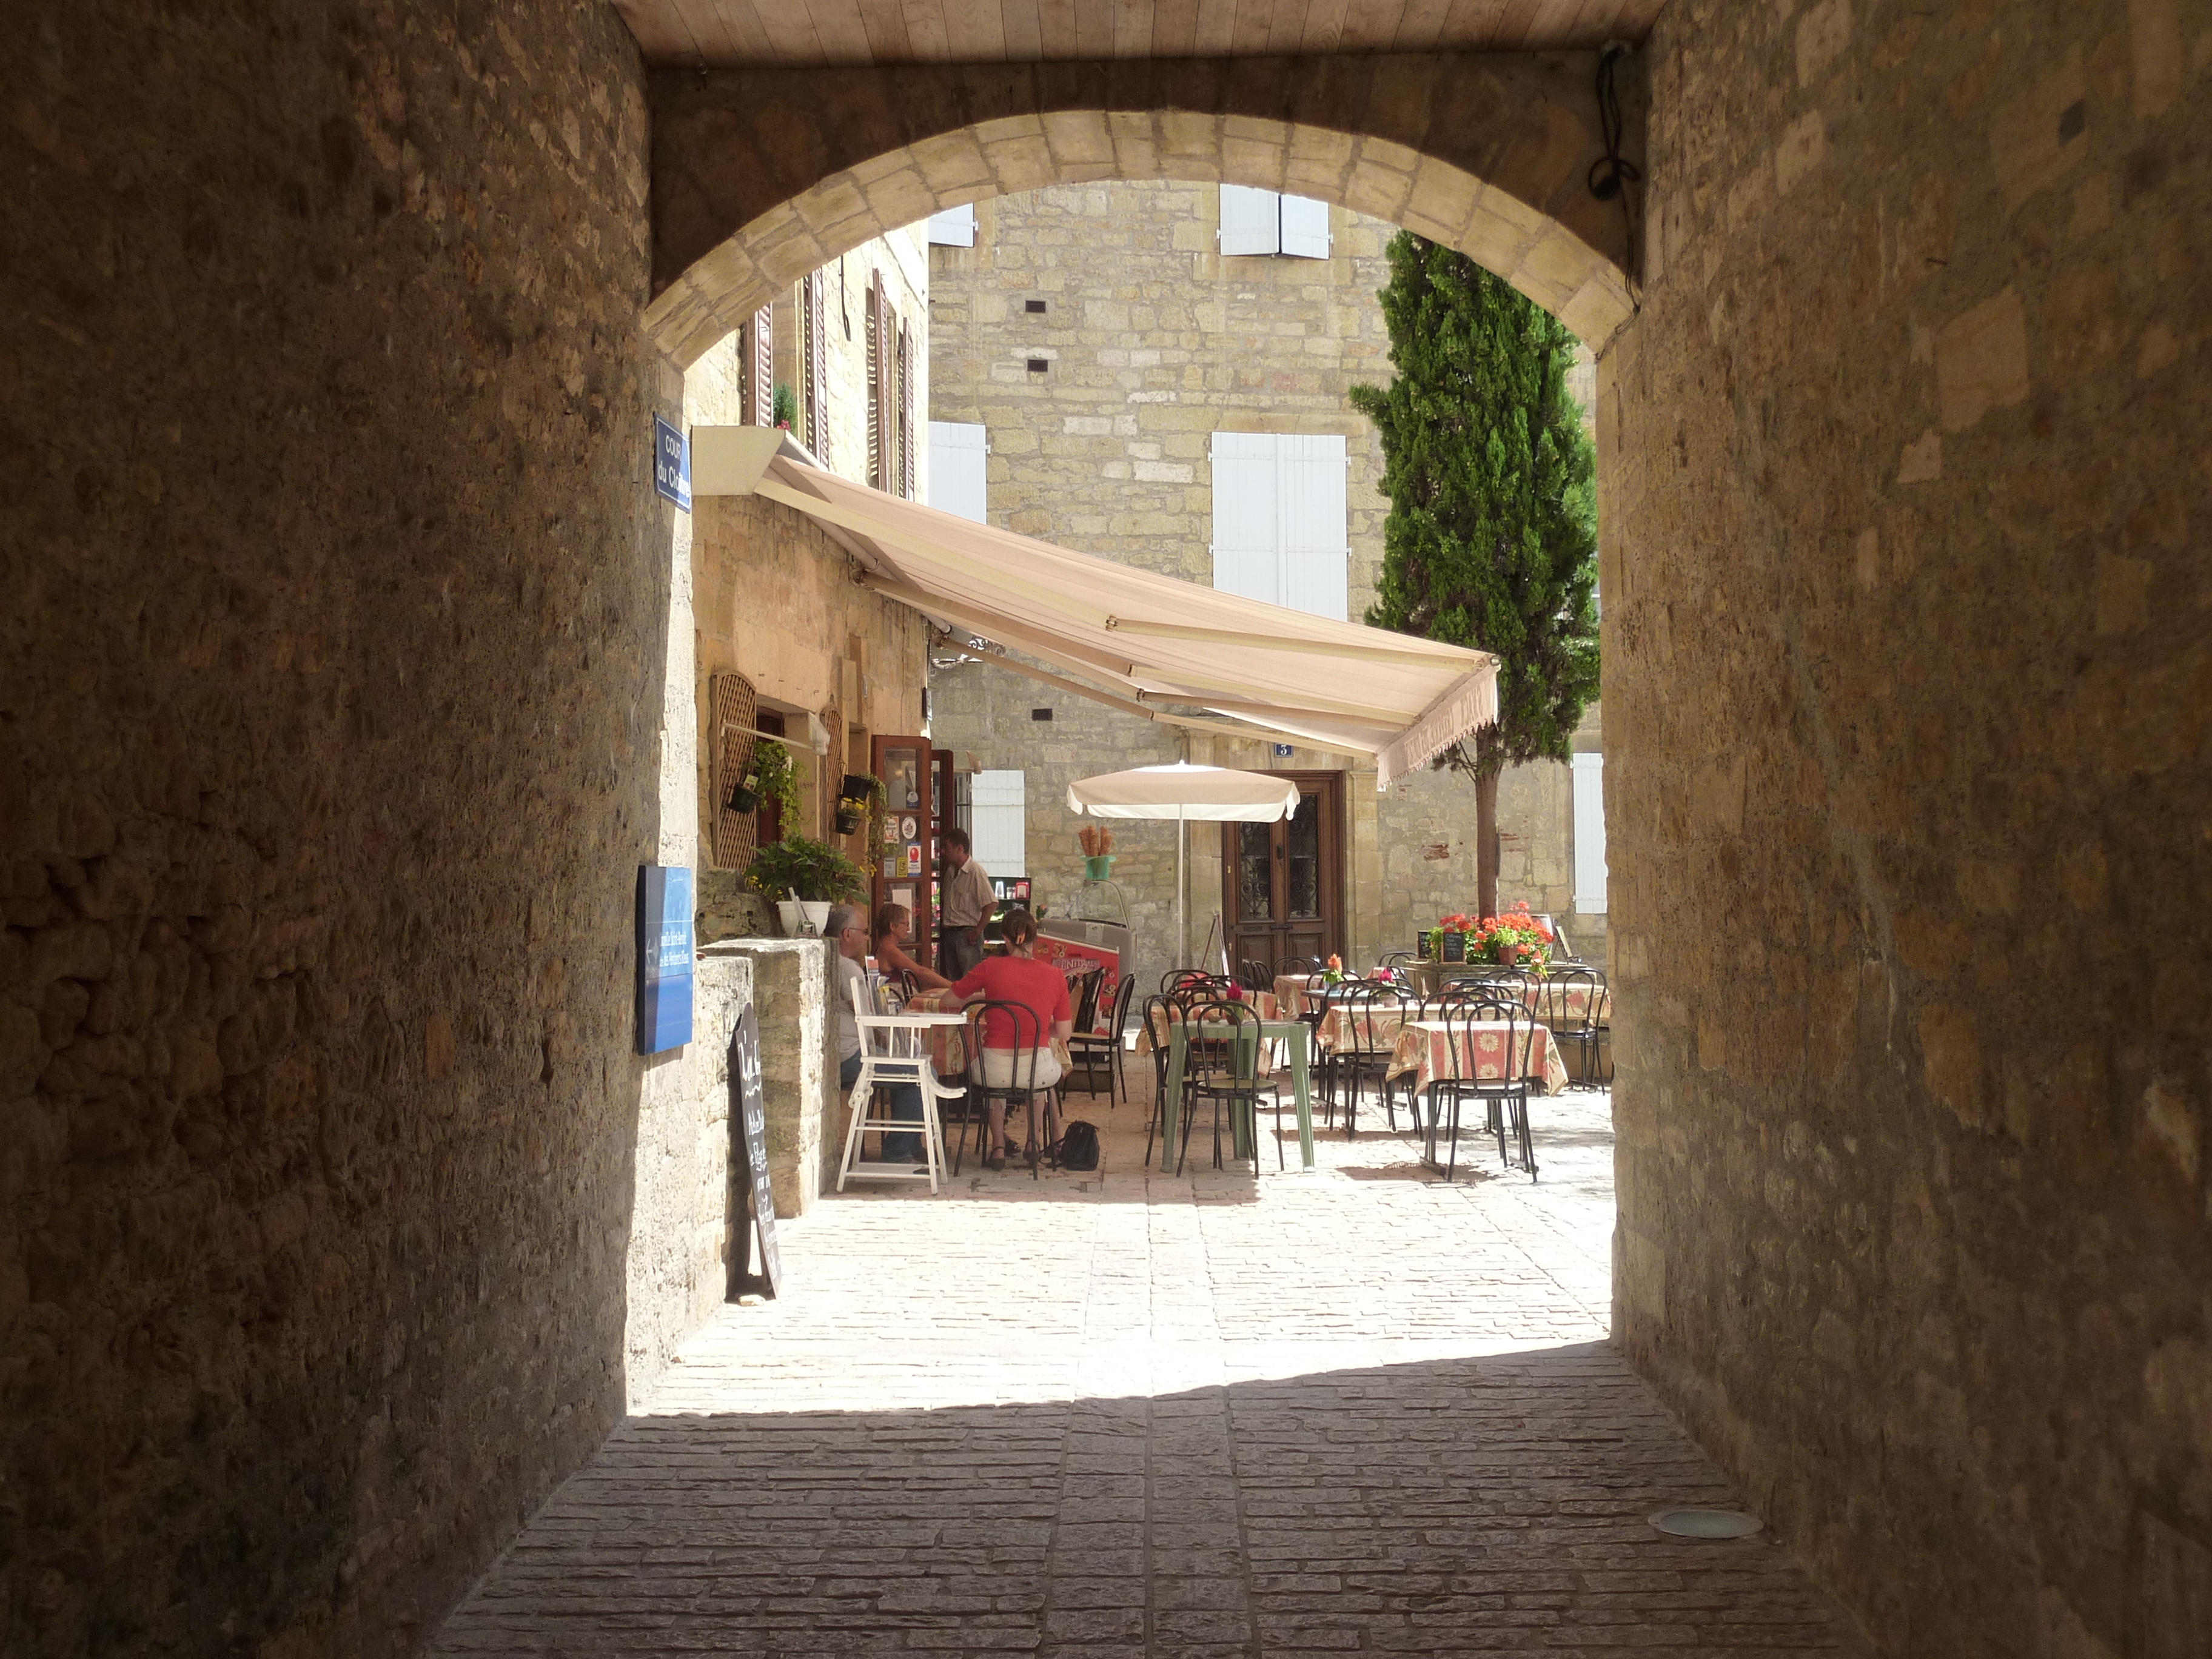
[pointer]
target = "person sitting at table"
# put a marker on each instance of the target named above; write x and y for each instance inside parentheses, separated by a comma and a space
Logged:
(893, 923)
(1018, 977)
(847, 929)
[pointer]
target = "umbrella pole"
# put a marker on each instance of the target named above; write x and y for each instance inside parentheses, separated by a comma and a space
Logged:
(1183, 916)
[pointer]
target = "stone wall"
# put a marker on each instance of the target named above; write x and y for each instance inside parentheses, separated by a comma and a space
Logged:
(1907, 734)
(804, 1111)
(681, 1212)
(1155, 341)
(329, 700)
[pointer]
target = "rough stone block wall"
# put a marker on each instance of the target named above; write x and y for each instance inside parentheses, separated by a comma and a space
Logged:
(1155, 341)
(804, 1110)
(1907, 704)
(682, 1210)
(329, 698)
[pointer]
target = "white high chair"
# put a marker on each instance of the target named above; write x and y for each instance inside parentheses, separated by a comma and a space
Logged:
(894, 1048)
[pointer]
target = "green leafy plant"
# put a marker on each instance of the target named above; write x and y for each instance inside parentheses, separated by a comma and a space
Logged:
(1491, 540)
(820, 872)
(862, 792)
(783, 406)
(775, 775)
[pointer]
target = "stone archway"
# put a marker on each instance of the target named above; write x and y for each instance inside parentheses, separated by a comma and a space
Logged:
(760, 176)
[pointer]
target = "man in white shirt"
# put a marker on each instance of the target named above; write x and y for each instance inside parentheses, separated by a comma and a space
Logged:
(848, 928)
(965, 905)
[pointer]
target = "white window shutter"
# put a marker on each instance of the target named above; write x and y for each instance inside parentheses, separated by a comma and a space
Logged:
(1305, 226)
(1589, 834)
(1317, 558)
(1251, 220)
(954, 228)
(958, 452)
(1246, 516)
(998, 803)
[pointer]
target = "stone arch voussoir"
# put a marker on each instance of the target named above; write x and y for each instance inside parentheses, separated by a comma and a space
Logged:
(760, 176)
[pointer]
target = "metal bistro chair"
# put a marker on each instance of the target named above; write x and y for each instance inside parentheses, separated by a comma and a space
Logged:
(1092, 1050)
(1585, 1029)
(1228, 1075)
(1175, 978)
(894, 1049)
(1029, 1036)
(1256, 976)
(1365, 1052)
(1505, 1097)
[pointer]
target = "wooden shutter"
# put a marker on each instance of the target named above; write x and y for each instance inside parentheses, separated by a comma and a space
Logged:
(732, 837)
(959, 460)
(1305, 227)
(954, 228)
(907, 482)
(760, 382)
(882, 405)
(816, 357)
(1315, 560)
(1247, 537)
(1589, 834)
(1251, 220)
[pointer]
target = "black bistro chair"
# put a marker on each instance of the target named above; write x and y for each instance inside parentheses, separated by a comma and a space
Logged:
(1364, 1055)
(1587, 1029)
(1504, 1098)
(1095, 1051)
(1227, 1073)
(1023, 1091)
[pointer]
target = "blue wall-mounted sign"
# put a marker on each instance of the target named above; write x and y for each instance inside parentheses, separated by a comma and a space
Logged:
(671, 464)
(664, 958)
(1284, 751)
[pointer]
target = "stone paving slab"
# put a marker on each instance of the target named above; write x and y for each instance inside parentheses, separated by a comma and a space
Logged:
(1131, 1413)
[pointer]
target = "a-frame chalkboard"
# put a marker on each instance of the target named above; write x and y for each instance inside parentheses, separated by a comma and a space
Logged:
(751, 1182)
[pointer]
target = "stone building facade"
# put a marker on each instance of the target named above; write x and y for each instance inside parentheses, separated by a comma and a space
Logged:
(777, 627)
(1102, 339)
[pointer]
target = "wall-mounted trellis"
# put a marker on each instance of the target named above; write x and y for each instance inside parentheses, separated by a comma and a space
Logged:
(733, 712)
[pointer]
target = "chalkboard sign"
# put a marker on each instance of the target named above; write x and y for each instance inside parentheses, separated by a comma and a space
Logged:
(1454, 947)
(752, 1114)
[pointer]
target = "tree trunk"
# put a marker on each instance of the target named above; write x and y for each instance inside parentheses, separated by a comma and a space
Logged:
(1485, 844)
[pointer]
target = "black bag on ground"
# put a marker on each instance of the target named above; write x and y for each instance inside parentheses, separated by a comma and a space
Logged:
(1079, 1145)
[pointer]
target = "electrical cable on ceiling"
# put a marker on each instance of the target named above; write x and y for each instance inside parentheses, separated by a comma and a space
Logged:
(1612, 174)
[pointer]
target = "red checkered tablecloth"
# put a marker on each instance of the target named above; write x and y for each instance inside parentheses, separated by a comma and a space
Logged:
(1425, 1049)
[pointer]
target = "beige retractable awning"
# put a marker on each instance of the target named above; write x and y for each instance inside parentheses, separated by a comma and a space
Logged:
(1136, 639)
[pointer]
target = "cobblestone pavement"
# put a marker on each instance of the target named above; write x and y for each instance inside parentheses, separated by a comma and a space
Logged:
(1128, 1414)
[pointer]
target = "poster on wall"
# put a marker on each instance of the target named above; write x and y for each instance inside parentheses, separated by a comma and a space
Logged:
(664, 958)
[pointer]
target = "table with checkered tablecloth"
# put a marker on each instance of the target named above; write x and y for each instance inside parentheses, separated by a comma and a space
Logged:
(1425, 1050)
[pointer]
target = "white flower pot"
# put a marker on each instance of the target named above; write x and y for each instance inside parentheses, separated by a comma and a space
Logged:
(804, 919)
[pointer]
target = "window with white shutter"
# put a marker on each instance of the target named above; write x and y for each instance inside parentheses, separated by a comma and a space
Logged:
(959, 460)
(1278, 520)
(954, 228)
(999, 802)
(1589, 834)
(1265, 221)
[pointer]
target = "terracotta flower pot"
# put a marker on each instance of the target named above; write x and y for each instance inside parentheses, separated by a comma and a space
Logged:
(1508, 954)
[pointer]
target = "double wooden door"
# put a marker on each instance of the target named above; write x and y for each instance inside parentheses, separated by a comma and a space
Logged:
(1283, 883)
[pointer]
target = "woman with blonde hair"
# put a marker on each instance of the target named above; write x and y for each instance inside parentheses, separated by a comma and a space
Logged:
(893, 922)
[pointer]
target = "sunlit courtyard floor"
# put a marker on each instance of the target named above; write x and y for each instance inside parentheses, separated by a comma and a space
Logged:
(1128, 1412)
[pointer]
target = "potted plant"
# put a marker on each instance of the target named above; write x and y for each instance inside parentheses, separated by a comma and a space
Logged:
(775, 777)
(817, 871)
(862, 793)
(1515, 938)
(783, 407)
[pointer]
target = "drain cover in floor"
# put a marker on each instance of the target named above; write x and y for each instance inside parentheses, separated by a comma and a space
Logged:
(1706, 1523)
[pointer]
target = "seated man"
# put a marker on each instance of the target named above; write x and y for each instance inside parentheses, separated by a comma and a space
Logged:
(849, 927)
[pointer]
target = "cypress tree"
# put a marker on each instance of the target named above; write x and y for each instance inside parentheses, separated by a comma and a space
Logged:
(1492, 537)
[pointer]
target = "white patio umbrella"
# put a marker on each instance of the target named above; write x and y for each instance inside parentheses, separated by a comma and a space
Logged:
(1206, 794)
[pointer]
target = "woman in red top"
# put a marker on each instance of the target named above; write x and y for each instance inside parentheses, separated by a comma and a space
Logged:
(1018, 977)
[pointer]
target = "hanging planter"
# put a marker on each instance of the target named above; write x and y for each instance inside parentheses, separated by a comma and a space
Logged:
(745, 797)
(860, 799)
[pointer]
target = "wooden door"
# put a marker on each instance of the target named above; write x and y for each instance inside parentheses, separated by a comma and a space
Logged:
(906, 864)
(1283, 883)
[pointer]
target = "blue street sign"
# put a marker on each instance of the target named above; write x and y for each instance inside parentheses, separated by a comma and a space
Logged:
(664, 958)
(1284, 751)
(671, 464)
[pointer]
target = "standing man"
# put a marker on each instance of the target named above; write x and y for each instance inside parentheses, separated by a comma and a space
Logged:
(966, 905)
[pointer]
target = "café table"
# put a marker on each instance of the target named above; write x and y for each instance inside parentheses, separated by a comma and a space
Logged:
(948, 1038)
(1425, 1049)
(1293, 1034)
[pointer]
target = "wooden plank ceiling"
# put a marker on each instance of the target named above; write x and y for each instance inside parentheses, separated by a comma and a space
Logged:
(731, 33)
